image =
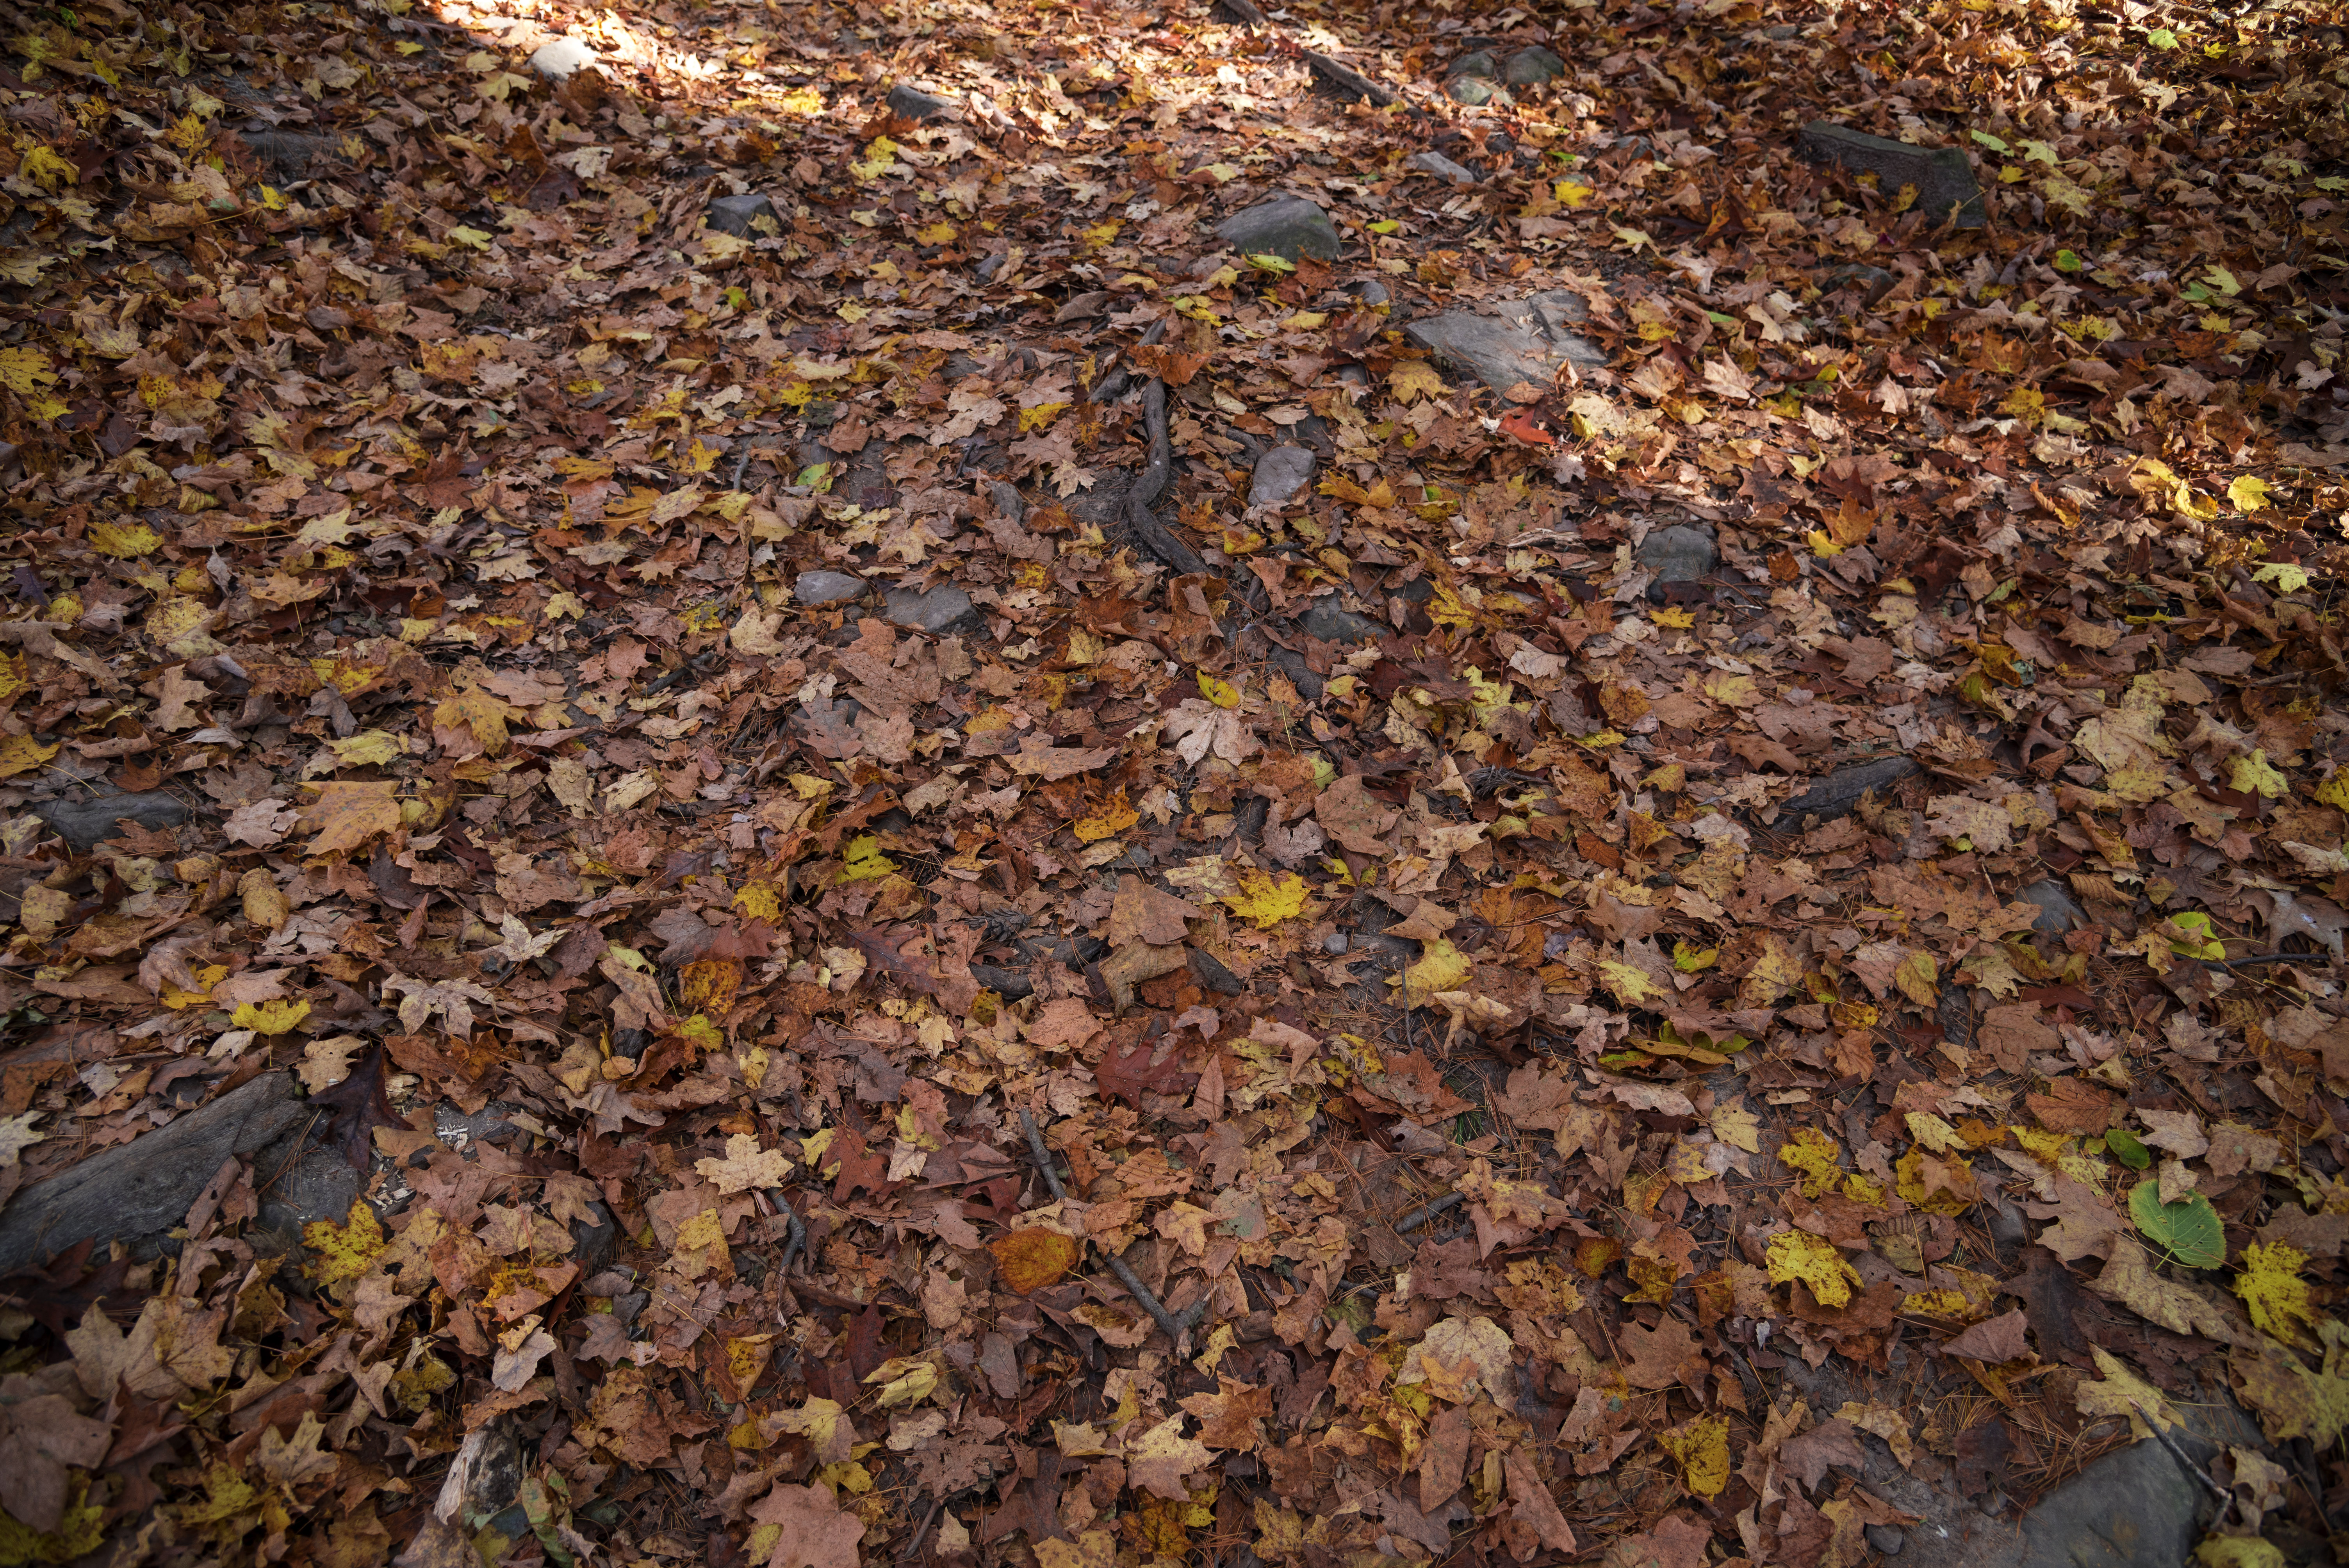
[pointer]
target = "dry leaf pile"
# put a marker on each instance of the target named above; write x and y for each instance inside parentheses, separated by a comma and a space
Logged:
(1518, 1019)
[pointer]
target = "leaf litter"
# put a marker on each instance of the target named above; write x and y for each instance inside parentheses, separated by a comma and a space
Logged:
(692, 645)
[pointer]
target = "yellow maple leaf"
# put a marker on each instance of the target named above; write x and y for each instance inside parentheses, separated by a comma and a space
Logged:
(1264, 902)
(1111, 818)
(760, 901)
(367, 749)
(1412, 379)
(1631, 987)
(1814, 1260)
(2248, 493)
(22, 754)
(342, 1254)
(1220, 692)
(22, 370)
(2271, 1287)
(1701, 1447)
(1814, 1155)
(270, 1018)
(2254, 775)
(1440, 967)
(864, 862)
(472, 718)
(122, 539)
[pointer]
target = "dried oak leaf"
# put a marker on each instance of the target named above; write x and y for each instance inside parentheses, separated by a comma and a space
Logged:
(347, 815)
(1994, 1340)
(1148, 914)
(39, 1438)
(1128, 1068)
(2073, 1106)
(814, 1530)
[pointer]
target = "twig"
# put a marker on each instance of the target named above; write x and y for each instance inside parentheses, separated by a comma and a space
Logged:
(796, 1242)
(1174, 1327)
(2178, 1451)
(1427, 1212)
(2257, 958)
(1349, 79)
(1161, 540)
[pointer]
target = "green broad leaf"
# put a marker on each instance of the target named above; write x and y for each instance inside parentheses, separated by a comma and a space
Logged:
(2068, 262)
(2162, 38)
(1992, 143)
(2124, 1148)
(2188, 1230)
(1384, 226)
(1266, 261)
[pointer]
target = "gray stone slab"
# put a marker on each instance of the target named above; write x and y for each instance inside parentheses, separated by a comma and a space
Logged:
(933, 610)
(1476, 63)
(2059, 911)
(1279, 475)
(1526, 340)
(1477, 92)
(1332, 623)
(1839, 791)
(1443, 168)
(916, 104)
(812, 588)
(1943, 178)
(1286, 226)
(1528, 67)
(735, 214)
(560, 58)
(136, 1191)
(1683, 553)
(86, 821)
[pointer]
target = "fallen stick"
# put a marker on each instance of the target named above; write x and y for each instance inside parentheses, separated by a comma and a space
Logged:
(1427, 1212)
(1174, 1327)
(1349, 79)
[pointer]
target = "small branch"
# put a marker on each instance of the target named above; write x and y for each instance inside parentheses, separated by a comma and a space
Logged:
(2178, 1451)
(1174, 1327)
(1427, 1212)
(796, 1242)
(1348, 79)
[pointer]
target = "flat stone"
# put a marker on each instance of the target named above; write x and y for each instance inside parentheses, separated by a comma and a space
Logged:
(1286, 226)
(916, 104)
(84, 822)
(933, 610)
(1325, 618)
(986, 268)
(559, 58)
(1335, 943)
(1943, 178)
(2135, 1507)
(1530, 340)
(1476, 91)
(313, 1182)
(1279, 475)
(814, 588)
(1476, 62)
(1443, 168)
(1008, 501)
(1681, 553)
(2059, 911)
(735, 214)
(1888, 1539)
(1372, 292)
(1528, 66)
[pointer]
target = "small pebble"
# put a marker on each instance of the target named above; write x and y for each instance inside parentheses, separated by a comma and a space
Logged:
(1334, 942)
(1888, 1539)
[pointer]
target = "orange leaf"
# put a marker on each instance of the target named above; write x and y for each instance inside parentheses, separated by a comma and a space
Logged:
(1031, 1259)
(1521, 425)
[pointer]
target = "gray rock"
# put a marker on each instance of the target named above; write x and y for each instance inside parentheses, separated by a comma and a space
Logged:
(1476, 62)
(1476, 92)
(1886, 1538)
(734, 215)
(1299, 671)
(1008, 501)
(1530, 340)
(2059, 911)
(1280, 474)
(461, 1130)
(1681, 553)
(1372, 292)
(1839, 791)
(560, 58)
(814, 588)
(1326, 619)
(916, 104)
(592, 1243)
(1335, 943)
(1286, 226)
(313, 1182)
(1943, 178)
(1443, 168)
(84, 822)
(933, 610)
(986, 268)
(1528, 66)
(135, 1191)
(2135, 1507)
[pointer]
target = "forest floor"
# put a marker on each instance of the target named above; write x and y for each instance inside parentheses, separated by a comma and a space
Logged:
(784, 784)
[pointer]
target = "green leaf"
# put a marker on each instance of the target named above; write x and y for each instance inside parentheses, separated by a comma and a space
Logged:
(2188, 1230)
(1384, 226)
(2162, 38)
(1992, 143)
(2124, 1148)
(2068, 262)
